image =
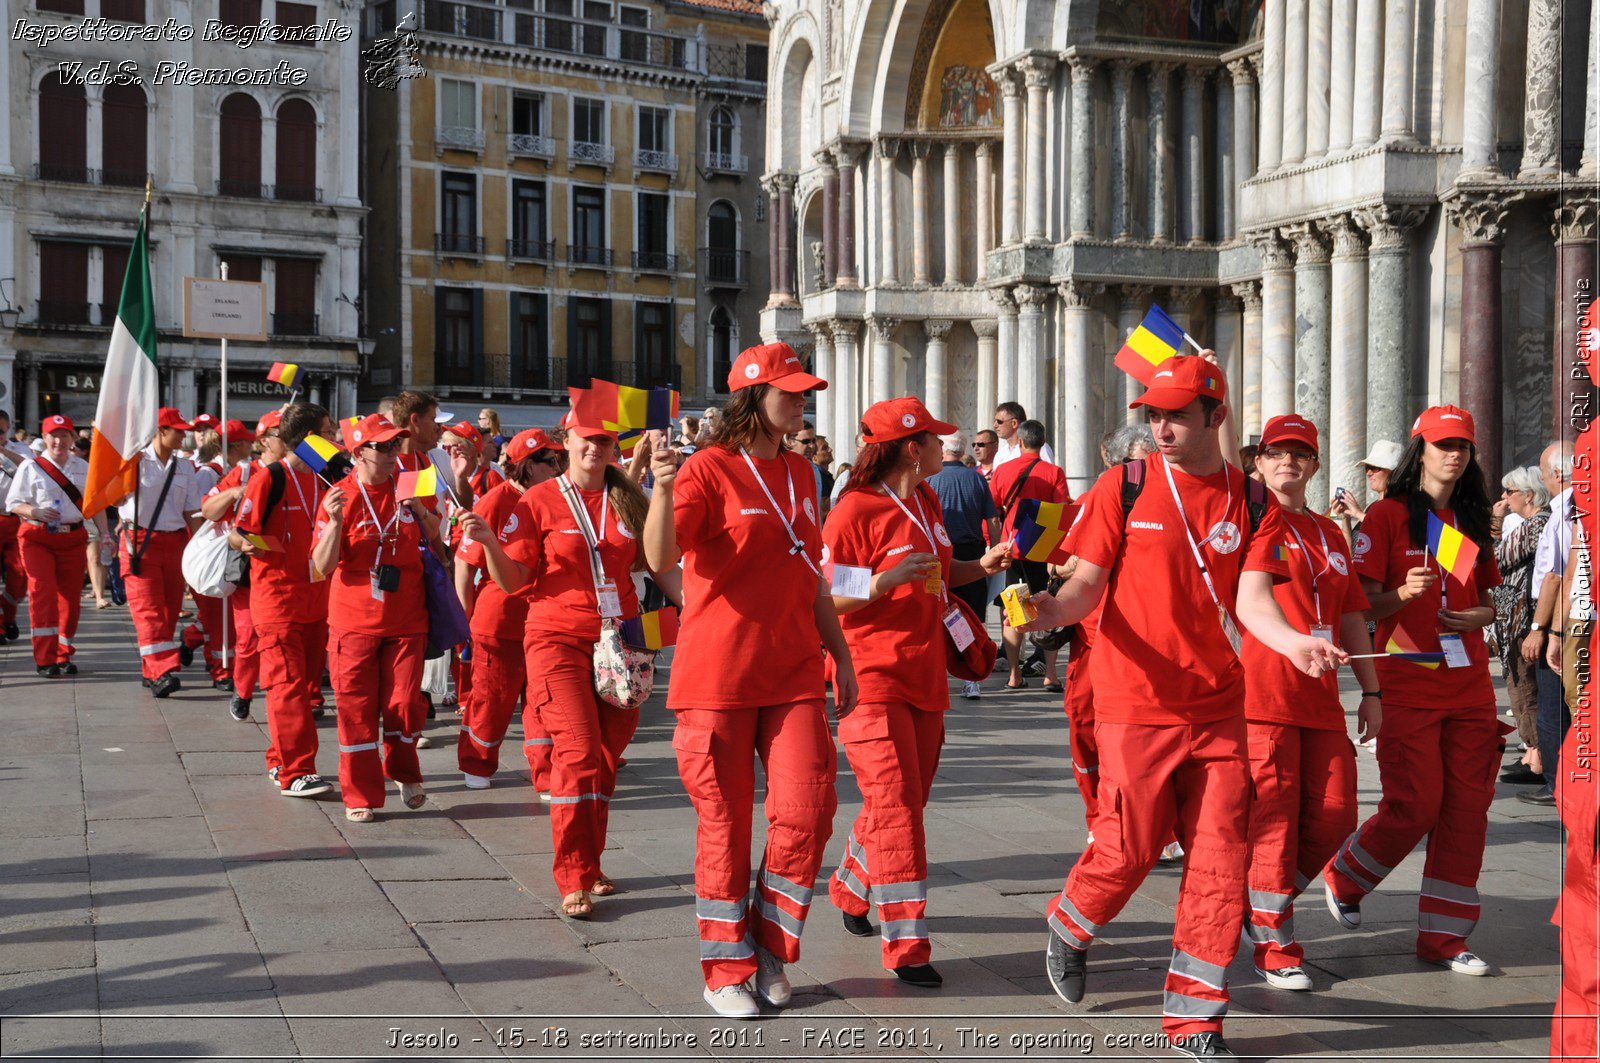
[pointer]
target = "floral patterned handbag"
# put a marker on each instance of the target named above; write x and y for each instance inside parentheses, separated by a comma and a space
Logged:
(623, 676)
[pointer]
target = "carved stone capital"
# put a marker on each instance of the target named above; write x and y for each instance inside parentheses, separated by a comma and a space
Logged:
(986, 328)
(937, 328)
(1010, 82)
(985, 149)
(1389, 224)
(1133, 296)
(1004, 300)
(1195, 77)
(1032, 297)
(1481, 216)
(888, 148)
(1077, 295)
(825, 159)
(1083, 68)
(884, 327)
(1273, 249)
(1122, 73)
(1575, 220)
(850, 153)
(1158, 72)
(1243, 71)
(1181, 298)
(782, 182)
(1037, 70)
(844, 331)
(1249, 293)
(1348, 239)
(1310, 248)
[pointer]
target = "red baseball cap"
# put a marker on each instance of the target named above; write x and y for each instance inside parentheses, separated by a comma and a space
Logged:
(205, 420)
(1438, 423)
(239, 432)
(269, 420)
(1179, 381)
(526, 444)
(468, 431)
(775, 364)
(891, 419)
(1287, 428)
(55, 423)
(375, 428)
(167, 417)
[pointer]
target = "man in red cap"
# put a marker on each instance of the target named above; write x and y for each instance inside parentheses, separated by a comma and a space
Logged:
(13, 582)
(1180, 548)
(208, 630)
(157, 519)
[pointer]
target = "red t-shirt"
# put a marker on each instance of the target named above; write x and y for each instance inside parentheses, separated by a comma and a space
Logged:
(1046, 482)
(1384, 554)
(893, 639)
(485, 479)
(1275, 690)
(234, 477)
(547, 539)
(351, 602)
(496, 614)
(1161, 656)
(748, 637)
(281, 587)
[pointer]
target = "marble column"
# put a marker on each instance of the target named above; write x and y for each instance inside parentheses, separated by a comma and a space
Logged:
(830, 218)
(1366, 109)
(1271, 119)
(921, 275)
(1390, 409)
(888, 212)
(1249, 405)
(1481, 219)
(1081, 192)
(1399, 47)
(1341, 75)
(936, 366)
(1345, 434)
(848, 154)
(986, 392)
(1161, 178)
(985, 205)
(1081, 426)
(1319, 41)
(823, 366)
(1244, 133)
(1005, 378)
(1312, 312)
(846, 410)
(1031, 364)
(1227, 339)
(787, 243)
(1277, 324)
(1294, 80)
(1480, 147)
(1194, 170)
(1011, 180)
(1575, 232)
(952, 213)
(1224, 178)
(1036, 71)
(1591, 113)
(882, 386)
(1179, 303)
(769, 184)
(1132, 300)
(1541, 121)
(183, 387)
(1121, 150)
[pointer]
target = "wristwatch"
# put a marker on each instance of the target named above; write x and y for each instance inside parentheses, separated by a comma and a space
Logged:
(1372, 694)
(1538, 627)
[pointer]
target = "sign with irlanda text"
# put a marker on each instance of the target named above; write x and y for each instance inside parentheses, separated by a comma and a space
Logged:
(224, 310)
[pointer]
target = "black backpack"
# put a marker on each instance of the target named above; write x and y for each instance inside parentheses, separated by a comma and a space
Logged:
(1255, 493)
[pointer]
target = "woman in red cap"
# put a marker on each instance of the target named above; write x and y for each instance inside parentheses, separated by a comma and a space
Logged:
(370, 543)
(747, 677)
(1440, 747)
(571, 546)
(498, 623)
(1301, 759)
(887, 533)
(47, 495)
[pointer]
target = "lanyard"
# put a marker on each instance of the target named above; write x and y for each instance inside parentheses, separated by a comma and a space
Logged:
(1194, 547)
(1316, 575)
(383, 529)
(305, 507)
(796, 546)
(581, 512)
(920, 518)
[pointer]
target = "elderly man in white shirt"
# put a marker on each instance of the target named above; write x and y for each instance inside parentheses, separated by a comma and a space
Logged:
(13, 583)
(1549, 565)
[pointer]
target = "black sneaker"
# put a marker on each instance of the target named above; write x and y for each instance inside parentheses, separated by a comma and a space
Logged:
(49, 671)
(185, 655)
(1204, 1046)
(166, 685)
(920, 974)
(147, 681)
(68, 668)
(272, 773)
(239, 708)
(306, 786)
(13, 633)
(1067, 968)
(859, 925)
(222, 684)
(1349, 915)
(318, 712)
(1537, 797)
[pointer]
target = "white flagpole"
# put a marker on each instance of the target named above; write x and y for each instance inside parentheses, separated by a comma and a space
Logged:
(227, 661)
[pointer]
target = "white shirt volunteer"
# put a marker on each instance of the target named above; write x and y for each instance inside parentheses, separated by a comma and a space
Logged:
(182, 499)
(16, 455)
(1007, 449)
(1550, 557)
(32, 485)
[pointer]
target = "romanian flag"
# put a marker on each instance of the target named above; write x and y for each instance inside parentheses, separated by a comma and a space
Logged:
(1040, 529)
(618, 408)
(283, 373)
(1455, 553)
(1405, 648)
(1156, 339)
(323, 458)
(423, 483)
(262, 542)
(346, 426)
(652, 631)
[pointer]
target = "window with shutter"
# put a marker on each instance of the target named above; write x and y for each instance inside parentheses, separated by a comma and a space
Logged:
(287, 14)
(239, 12)
(297, 151)
(122, 10)
(60, 7)
(453, 335)
(240, 147)
(63, 283)
(124, 136)
(242, 267)
(114, 259)
(63, 113)
(530, 333)
(294, 301)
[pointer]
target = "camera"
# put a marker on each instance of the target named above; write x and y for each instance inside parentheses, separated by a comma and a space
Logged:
(387, 577)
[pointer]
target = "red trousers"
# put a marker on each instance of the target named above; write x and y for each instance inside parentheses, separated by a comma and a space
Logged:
(375, 680)
(717, 751)
(1575, 1027)
(155, 597)
(1438, 768)
(13, 581)
(589, 738)
(1305, 807)
(1079, 699)
(536, 746)
(894, 750)
(1195, 778)
(286, 653)
(243, 665)
(55, 563)
(487, 705)
(206, 632)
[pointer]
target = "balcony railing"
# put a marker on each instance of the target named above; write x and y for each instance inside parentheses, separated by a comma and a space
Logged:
(657, 262)
(123, 178)
(660, 161)
(62, 312)
(535, 250)
(530, 145)
(458, 138)
(457, 244)
(241, 189)
(78, 175)
(601, 257)
(597, 154)
(723, 162)
(296, 325)
(722, 268)
(533, 29)
(297, 193)
(461, 20)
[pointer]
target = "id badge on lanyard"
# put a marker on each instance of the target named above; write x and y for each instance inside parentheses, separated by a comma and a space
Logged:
(1455, 650)
(1319, 630)
(852, 581)
(955, 622)
(609, 601)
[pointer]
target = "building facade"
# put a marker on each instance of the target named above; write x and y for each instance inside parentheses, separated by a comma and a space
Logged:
(537, 200)
(256, 170)
(1364, 206)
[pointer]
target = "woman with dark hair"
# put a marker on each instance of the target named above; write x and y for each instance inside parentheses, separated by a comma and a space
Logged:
(1439, 746)
(747, 678)
(888, 522)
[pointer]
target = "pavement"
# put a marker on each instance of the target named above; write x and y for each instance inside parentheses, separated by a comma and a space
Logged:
(159, 899)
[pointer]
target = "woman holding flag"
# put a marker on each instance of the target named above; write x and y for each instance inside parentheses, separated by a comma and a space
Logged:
(1424, 561)
(887, 528)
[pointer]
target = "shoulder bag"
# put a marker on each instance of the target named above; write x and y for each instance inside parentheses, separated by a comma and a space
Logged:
(623, 676)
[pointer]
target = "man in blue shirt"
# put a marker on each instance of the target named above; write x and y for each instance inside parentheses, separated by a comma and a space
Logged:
(969, 515)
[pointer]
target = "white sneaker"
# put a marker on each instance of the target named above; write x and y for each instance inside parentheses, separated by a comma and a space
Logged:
(1286, 978)
(1464, 963)
(1171, 853)
(733, 1002)
(771, 983)
(1371, 746)
(544, 795)
(475, 782)
(970, 690)
(424, 742)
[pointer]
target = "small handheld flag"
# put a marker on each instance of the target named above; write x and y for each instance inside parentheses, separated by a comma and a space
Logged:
(617, 407)
(654, 630)
(261, 542)
(1040, 529)
(1156, 339)
(423, 483)
(1402, 646)
(323, 458)
(1455, 553)
(283, 373)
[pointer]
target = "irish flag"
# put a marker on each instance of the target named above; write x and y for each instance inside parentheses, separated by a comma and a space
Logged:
(125, 420)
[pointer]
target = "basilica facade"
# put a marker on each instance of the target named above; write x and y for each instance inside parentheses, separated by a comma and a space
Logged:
(1365, 206)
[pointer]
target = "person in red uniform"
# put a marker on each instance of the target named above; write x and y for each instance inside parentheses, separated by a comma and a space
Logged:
(548, 553)
(888, 522)
(464, 443)
(46, 495)
(157, 519)
(1440, 748)
(1195, 552)
(1028, 475)
(747, 677)
(13, 581)
(1302, 764)
(370, 543)
(220, 641)
(288, 596)
(499, 621)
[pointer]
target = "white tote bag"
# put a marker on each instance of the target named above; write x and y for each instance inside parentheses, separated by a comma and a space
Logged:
(205, 560)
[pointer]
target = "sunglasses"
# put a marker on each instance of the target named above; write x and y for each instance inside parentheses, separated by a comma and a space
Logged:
(382, 448)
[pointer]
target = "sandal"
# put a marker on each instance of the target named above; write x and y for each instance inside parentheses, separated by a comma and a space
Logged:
(1054, 688)
(359, 815)
(413, 795)
(603, 887)
(576, 905)
(1016, 686)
